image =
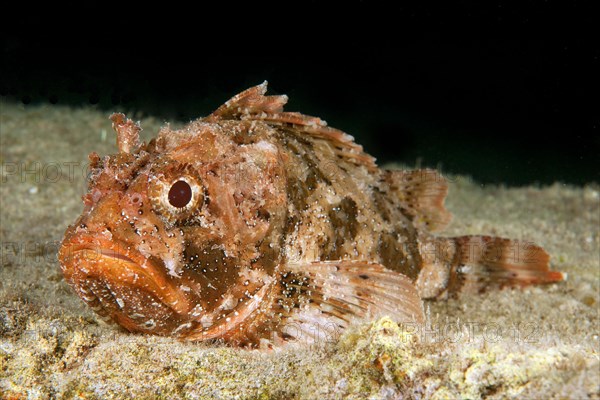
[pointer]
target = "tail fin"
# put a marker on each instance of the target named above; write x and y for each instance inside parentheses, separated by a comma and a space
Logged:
(474, 264)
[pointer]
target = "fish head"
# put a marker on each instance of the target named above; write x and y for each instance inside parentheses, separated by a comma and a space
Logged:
(178, 235)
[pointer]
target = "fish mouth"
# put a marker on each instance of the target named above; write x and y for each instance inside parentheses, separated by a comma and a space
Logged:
(87, 260)
(110, 253)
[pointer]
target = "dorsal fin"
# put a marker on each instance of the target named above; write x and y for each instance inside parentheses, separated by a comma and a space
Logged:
(253, 104)
(249, 102)
(420, 194)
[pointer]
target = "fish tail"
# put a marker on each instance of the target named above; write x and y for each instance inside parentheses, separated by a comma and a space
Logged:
(474, 264)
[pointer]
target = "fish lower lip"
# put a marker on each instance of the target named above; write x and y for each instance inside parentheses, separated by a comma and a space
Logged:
(81, 262)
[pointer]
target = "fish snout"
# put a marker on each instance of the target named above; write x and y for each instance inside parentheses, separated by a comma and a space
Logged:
(119, 283)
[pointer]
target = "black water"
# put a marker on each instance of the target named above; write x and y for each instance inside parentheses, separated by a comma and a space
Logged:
(506, 94)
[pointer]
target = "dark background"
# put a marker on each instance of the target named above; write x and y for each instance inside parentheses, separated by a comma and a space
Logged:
(504, 93)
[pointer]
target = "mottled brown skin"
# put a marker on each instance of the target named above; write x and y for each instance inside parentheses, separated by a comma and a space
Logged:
(290, 229)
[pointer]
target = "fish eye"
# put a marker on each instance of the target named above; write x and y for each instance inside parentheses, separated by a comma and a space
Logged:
(180, 194)
(177, 194)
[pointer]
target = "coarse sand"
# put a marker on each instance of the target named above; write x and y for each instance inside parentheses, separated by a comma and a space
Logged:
(540, 342)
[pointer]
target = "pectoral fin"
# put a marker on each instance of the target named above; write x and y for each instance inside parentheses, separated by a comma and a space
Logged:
(321, 299)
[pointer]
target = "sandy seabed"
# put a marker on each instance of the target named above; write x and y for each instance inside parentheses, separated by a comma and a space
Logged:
(541, 342)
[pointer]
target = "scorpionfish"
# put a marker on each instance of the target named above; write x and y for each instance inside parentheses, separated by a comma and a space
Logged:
(259, 227)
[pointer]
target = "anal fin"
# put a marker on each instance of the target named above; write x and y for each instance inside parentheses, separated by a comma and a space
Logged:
(335, 294)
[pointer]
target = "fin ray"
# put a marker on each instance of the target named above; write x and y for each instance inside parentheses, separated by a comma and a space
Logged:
(341, 293)
(253, 104)
(420, 194)
(474, 264)
(250, 101)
